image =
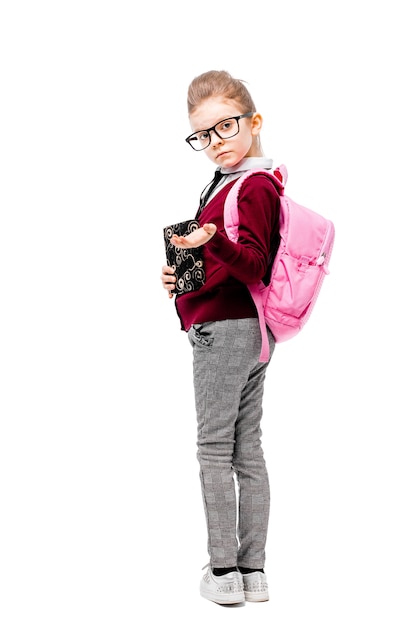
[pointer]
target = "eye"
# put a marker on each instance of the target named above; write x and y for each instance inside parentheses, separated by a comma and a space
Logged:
(225, 125)
(203, 135)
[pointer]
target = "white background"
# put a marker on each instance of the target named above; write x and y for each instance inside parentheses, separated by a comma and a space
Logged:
(101, 514)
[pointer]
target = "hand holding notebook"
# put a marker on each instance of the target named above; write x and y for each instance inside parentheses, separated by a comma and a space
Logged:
(186, 261)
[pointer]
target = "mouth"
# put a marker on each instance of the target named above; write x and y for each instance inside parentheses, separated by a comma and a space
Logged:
(221, 154)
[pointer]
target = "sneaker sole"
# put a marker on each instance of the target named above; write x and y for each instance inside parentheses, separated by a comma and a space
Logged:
(230, 598)
(254, 596)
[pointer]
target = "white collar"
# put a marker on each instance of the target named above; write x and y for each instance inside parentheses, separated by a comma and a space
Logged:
(248, 163)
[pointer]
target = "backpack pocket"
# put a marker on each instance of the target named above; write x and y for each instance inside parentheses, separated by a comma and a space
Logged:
(295, 284)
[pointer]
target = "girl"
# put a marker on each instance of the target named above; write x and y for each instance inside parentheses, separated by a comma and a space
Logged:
(222, 325)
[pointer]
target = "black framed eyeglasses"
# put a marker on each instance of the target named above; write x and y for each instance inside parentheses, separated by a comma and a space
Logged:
(225, 129)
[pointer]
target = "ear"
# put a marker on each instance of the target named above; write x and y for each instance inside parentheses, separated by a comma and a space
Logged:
(256, 123)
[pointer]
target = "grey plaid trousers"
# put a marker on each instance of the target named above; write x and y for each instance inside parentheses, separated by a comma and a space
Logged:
(228, 386)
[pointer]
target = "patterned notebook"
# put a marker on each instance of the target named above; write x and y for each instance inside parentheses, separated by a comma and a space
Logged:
(188, 263)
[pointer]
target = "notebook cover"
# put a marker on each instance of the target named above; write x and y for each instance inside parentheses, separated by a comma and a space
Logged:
(188, 263)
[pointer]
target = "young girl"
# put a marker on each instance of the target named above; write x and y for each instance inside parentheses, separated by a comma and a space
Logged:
(222, 325)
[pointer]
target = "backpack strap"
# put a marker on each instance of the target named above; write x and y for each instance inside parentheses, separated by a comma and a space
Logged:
(231, 213)
(231, 224)
(255, 292)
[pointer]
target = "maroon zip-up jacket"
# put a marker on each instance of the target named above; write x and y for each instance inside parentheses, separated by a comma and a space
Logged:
(229, 266)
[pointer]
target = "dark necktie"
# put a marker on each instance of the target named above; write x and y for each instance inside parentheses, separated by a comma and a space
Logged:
(205, 195)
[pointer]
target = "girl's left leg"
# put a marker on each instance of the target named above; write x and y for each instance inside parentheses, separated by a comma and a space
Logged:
(251, 472)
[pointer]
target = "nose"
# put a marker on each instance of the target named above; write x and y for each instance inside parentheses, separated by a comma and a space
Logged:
(215, 138)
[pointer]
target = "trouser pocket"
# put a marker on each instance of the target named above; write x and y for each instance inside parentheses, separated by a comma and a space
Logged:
(202, 334)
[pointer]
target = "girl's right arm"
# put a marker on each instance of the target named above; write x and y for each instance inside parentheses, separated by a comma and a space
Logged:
(168, 279)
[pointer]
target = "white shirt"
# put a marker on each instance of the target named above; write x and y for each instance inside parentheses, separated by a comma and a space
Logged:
(248, 163)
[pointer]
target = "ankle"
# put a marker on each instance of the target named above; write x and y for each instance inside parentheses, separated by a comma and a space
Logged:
(221, 571)
(249, 570)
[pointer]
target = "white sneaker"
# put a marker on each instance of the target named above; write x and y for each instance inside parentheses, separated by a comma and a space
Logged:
(226, 589)
(255, 587)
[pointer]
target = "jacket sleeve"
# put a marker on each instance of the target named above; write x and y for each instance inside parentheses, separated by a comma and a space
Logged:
(247, 260)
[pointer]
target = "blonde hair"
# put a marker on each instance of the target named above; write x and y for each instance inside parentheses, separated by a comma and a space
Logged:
(218, 83)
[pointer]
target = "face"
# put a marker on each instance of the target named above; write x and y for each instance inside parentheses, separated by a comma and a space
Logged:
(227, 152)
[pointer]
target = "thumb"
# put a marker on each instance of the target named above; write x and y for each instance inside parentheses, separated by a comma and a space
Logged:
(210, 229)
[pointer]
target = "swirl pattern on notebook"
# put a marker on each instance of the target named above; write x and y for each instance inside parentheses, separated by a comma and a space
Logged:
(187, 262)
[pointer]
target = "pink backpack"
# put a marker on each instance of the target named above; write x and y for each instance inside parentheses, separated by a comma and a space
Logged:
(299, 267)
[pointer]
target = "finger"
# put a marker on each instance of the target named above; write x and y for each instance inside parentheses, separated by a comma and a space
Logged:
(168, 279)
(210, 229)
(176, 238)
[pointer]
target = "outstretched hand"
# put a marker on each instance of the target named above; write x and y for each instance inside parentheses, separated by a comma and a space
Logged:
(195, 239)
